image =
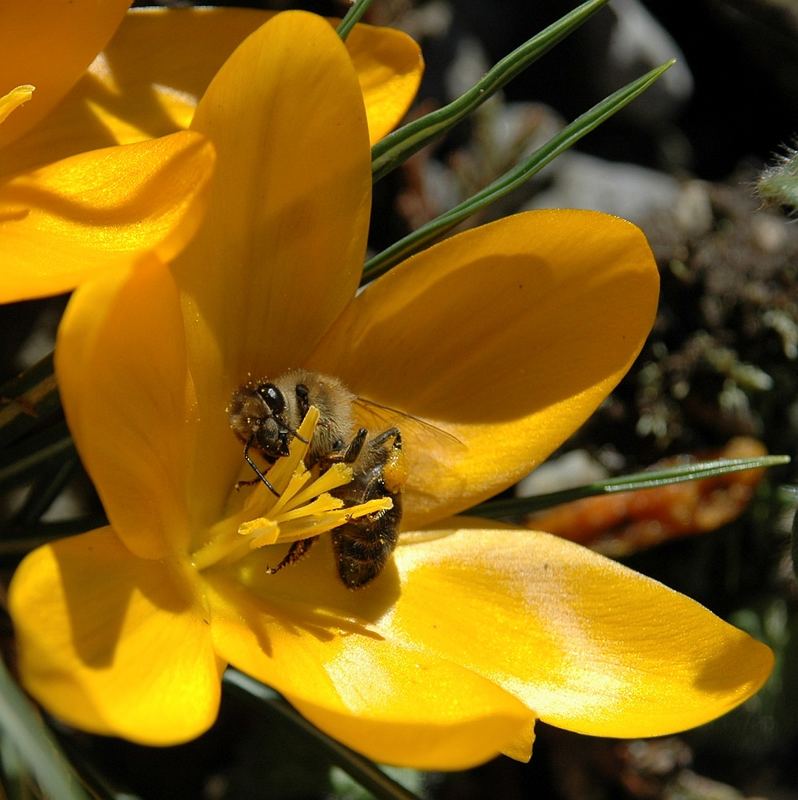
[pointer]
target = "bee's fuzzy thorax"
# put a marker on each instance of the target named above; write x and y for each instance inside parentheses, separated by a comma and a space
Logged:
(334, 402)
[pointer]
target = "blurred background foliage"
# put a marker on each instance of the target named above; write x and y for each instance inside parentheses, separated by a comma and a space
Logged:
(721, 364)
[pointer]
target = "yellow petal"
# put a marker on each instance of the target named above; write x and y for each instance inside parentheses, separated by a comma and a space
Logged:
(586, 643)
(121, 367)
(50, 45)
(507, 336)
(390, 701)
(389, 66)
(65, 222)
(125, 98)
(281, 248)
(114, 644)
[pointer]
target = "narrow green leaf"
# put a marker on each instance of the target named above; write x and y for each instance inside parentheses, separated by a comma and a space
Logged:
(790, 495)
(16, 544)
(516, 507)
(787, 496)
(795, 544)
(358, 9)
(45, 491)
(359, 768)
(16, 549)
(398, 146)
(17, 782)
(85, 763)
(19, 461)
(512, 179)
(35, 745)
(26, 399)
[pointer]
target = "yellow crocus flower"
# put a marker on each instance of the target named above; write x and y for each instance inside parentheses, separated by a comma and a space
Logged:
(507, 336)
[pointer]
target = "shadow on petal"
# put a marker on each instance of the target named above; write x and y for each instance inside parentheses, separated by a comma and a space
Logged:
(740, 666)
(307, 597)
(97, 604)
(498, 339)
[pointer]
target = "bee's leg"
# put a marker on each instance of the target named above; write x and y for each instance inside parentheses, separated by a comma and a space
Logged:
(391, 433)
(261, 477)
(393, 467)
(349, 456)
(295, 552)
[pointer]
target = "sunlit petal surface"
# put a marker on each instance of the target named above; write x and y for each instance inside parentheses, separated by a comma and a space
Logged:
(596, 648)
(125, 98)
(65, 222)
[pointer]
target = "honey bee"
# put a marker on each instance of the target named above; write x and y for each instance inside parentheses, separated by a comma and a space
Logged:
(265, 416)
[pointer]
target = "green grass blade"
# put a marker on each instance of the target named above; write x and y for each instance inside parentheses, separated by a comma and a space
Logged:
(35, 745)
(23, 459)
(357, 10)
(26, 399)
(16, 783)
(84, 761)
(512, 179)
(12, 551)
(359, 768)
(516, 507)
(789, 496)
(795, 544)
(46, 490)
(398, 146)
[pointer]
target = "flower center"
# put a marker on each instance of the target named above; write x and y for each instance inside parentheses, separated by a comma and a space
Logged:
(14, 99)
(303, 507)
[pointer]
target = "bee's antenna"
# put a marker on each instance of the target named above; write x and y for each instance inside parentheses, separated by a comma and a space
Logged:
(264, 480)
(296, 434)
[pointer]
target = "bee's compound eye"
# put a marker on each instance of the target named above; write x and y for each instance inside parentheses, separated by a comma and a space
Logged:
(272, 396)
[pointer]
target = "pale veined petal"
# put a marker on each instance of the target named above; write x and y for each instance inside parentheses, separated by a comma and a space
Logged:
(114, 644)
(591, 645)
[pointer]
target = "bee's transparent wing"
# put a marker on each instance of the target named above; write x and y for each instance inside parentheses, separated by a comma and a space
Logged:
(376, 417)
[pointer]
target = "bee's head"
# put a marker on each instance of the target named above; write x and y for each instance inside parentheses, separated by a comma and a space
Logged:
(257, 416)
(272, 399)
